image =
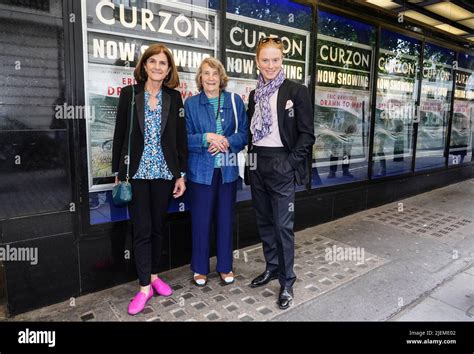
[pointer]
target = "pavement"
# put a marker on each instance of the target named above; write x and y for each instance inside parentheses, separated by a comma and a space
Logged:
(412, 260)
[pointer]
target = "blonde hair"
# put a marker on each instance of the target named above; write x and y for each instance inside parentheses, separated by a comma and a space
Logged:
(270, 42)
(214, 64)
(171, 80)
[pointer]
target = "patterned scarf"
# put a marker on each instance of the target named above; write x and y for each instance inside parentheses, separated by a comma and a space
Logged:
(262, 121)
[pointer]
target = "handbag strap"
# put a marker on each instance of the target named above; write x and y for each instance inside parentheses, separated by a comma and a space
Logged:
(235, 112)
(130, 132)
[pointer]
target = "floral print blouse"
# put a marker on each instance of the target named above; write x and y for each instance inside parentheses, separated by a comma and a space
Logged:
(153, 164)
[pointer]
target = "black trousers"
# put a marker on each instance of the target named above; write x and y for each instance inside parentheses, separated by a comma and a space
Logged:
(273, 194)
(148, 209)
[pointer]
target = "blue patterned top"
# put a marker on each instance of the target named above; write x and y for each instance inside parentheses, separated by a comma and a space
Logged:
(215, 104)
(153, 164)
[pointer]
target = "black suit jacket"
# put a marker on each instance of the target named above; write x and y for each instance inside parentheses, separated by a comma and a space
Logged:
(295, 125)
(174, 142)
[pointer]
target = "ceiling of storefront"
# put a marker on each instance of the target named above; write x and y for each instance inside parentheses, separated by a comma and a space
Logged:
(449, 17)
(454, 16)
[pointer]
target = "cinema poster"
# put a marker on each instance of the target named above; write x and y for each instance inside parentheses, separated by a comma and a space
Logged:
(114, 38)
(342, 100)
(242, 36)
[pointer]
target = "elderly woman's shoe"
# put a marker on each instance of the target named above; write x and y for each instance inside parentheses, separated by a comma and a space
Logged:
(139, 301)
(199, 279)
(227, 278)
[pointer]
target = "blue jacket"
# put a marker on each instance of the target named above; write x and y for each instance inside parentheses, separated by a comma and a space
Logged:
(200, 119)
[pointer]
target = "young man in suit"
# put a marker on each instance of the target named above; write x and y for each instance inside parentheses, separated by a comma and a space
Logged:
(281, 135)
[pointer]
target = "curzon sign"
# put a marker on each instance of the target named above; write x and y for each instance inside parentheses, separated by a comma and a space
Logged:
(162, 22)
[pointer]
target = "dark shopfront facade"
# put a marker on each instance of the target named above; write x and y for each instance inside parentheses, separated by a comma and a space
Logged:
(394, 114)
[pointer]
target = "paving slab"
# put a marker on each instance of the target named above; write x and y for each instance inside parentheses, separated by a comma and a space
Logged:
(458, 293)
(434, 310)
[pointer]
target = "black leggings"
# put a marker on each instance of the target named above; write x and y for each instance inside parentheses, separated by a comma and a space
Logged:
(148, 210)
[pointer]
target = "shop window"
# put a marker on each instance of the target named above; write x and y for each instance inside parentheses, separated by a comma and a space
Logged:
(435, 107)
(397, 92)
(342, 100)
(34, 143)
(460, 149)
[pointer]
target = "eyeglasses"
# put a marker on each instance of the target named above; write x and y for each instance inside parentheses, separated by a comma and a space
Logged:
(264, 40)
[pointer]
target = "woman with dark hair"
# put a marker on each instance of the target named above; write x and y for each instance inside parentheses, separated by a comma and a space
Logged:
(281, 136)
(157, 161)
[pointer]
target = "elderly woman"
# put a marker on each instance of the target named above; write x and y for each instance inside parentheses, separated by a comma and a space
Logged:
(213, 143)
(150, 125)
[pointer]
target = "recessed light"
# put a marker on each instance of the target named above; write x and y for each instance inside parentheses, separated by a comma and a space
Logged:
(451, 29)
(449, 10)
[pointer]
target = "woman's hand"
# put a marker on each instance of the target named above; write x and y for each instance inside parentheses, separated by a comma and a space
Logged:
(211, 137)
(217, 143)
(218, 147)
(218, 140)
(116, 180)
(179, 187)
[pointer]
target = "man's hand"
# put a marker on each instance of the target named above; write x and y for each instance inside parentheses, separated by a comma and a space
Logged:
(179, 187)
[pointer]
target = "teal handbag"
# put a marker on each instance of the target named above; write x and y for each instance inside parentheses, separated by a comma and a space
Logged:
(122, 191)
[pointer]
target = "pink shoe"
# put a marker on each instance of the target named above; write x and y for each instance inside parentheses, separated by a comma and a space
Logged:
(161, 287)
(139, 301)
